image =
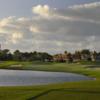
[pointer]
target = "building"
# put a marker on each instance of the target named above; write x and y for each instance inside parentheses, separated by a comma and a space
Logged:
(66, 57)
(60, 57)
(95, 56)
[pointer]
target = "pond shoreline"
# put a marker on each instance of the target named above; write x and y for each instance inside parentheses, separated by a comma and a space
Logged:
(44, 70)
(27, 78)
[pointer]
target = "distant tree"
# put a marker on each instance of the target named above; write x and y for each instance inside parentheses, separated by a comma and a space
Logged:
(5, 55)
(17, 55)
(77, 55)
(86, 54)
(85, 51)
(45, 57)
(70, 57)
(65, 52)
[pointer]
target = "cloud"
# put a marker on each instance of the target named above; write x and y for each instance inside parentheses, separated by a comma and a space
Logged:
(16, 37)
(34, 29)
(53, 30)
(86, 6)
(41, 10)
(6, 21)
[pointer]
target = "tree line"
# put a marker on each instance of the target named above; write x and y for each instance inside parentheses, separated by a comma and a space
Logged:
(17, 55)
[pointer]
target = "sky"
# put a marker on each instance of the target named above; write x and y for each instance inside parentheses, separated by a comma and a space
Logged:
(51, 26)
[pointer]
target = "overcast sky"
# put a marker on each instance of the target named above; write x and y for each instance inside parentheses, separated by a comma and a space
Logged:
(50, 25)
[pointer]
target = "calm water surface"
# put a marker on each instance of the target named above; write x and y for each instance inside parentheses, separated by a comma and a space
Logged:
(20, 78)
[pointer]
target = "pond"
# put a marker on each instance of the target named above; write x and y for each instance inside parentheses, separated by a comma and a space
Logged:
(20, 78)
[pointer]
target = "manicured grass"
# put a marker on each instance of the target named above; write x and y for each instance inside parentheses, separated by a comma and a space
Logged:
(65, 95)
(83, 90)
(18, 93)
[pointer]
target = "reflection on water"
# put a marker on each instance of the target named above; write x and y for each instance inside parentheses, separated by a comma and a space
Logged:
(20, 78)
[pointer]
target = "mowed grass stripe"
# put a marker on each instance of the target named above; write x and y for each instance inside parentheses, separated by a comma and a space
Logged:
(65, 91)
(70, 95)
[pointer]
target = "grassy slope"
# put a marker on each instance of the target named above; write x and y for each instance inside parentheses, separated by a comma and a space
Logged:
(88, 90)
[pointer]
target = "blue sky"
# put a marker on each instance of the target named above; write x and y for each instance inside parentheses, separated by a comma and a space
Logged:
(50, 25)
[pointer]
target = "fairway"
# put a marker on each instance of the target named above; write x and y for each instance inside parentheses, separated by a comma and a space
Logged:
(70, 95)
(82, 90)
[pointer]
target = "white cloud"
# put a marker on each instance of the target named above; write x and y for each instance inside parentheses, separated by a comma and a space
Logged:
(6, 21)
(41, 10)
(16, 37)
(89, 6)
(34, 29)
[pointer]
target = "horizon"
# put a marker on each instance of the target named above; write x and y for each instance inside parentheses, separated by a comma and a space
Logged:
(51, 26)
(91, 51)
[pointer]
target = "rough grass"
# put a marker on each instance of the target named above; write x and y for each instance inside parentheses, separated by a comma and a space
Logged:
(83, 90)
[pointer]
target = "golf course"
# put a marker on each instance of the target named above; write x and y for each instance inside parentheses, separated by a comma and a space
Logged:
(78, 90)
